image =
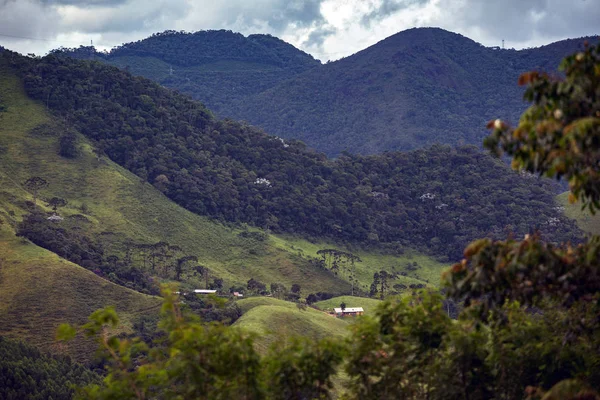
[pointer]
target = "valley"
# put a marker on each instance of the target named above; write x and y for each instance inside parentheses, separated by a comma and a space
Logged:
(205, 255)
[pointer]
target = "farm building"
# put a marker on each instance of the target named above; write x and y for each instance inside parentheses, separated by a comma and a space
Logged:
(348, 311)
(204, 291)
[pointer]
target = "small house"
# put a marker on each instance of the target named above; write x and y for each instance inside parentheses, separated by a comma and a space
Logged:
(348, 311)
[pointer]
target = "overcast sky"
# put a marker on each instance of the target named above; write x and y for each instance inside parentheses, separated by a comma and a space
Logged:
(328, 29)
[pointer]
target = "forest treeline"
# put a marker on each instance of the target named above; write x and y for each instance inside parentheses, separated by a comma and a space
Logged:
(435, 199)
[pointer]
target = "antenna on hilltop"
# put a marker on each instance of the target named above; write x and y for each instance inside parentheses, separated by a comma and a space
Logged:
(502, 44)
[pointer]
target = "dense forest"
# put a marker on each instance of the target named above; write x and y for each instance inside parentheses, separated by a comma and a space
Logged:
(26, 373)
(436, 199)
(413, 89)
(215, 67)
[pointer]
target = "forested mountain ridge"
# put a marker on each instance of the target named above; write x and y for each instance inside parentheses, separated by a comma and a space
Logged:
(415, 88)
(214, 67)
(436, 199)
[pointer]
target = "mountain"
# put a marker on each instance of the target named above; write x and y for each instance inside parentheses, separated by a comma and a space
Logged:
(434, 200)
(418, 87)
(212, 66)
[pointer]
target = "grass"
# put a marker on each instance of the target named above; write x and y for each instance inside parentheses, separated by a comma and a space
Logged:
(368, 304)
(123, 207)
(428, 272)
(39, 291)
(585, 220)
(271, 320)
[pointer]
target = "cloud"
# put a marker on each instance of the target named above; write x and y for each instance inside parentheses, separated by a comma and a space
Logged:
(328, 28)
(386, 8)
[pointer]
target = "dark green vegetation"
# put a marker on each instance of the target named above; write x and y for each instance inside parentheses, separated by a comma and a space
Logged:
(530, 328)
(216, 67)
(26, 373)
(415, 88)
(436, 199)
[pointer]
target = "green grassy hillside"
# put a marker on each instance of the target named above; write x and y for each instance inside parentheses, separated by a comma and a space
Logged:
(369, 305)
(585, 220)
(428, 271)
(273, 319)
(39, 291)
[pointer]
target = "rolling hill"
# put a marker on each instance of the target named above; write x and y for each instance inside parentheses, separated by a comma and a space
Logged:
(369, 305)
(271, 320)
(121, 207)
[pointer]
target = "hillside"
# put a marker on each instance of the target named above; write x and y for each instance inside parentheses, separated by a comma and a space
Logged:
(120, 208)
(415, 88)
(434, 200)
(214, 67)
(585, 220)
(271, 320)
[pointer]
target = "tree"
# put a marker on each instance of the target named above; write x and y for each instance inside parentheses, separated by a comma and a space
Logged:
(343, 306)
(383, 283)
(56, 202)
(35, 184)
(68, 145)
(374, 285)
(256, 286)
(296, 288)
(558, 136)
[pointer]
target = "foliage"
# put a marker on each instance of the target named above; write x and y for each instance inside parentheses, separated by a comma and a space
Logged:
(234, 172)
(68, 145)
(199, 361)
(413, 350)
(35, 184)
(531, 329)
(557, 136)
(81, 249)
(26, 373)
